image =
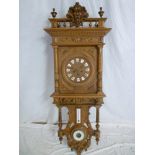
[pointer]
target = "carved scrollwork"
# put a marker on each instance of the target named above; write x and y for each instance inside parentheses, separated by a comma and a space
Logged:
(74, 40)
(76, 100)
(85, 33)
(76, 14)
(82, 142)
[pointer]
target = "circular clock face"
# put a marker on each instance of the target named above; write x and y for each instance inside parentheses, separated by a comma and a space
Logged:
(78, 135)
(77, 69)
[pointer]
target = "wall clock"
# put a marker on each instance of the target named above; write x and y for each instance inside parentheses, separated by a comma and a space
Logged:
(77, 42)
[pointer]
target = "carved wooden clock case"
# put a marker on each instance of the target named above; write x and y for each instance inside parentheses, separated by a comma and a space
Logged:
(77, 42)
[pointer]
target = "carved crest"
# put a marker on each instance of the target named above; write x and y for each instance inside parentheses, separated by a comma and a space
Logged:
(76, 14)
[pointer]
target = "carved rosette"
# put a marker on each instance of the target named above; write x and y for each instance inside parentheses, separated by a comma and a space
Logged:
(76, 14)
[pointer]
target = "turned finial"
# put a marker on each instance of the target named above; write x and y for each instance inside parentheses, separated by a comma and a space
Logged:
(101, 12)
(53, 13)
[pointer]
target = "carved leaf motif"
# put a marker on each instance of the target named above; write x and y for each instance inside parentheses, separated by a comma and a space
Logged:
(75, 100)
(76, 14)
(70, 40)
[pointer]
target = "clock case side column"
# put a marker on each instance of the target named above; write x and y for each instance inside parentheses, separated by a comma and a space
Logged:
(99, 86)
(100, 69)
(56, 78)
(56, 75)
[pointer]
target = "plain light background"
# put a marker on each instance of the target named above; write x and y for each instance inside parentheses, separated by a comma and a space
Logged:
(36, 60)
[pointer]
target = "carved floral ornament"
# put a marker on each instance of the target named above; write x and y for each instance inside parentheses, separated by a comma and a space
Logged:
(76, 14)
(75, 40)
(75, 100)
(76, 17)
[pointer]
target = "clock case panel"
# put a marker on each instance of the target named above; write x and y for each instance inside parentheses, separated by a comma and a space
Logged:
(73, 61)
(67, 48)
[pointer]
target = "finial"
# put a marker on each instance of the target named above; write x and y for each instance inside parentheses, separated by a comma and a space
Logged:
(101, 12)
(53, 13)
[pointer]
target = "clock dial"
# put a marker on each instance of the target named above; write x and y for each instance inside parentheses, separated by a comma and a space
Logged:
(77, 70)
(78, 135)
